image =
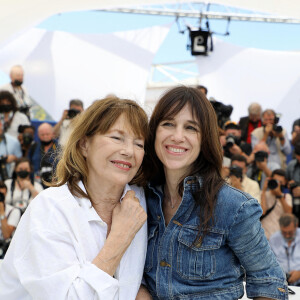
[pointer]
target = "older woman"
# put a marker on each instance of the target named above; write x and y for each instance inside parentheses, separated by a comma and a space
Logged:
(85, 238)
(204, 237)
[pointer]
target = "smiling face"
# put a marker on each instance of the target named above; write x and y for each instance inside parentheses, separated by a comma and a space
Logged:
(115, 156)
(178, 141)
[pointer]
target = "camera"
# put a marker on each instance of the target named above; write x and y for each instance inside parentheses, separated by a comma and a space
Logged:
(272, 184)
(24, 109)
(294, 185)
(3, 170)
(277, 128)
(260, 155)
(72, 113)
(222, 111)
(230, 140)
(2, 197)
(236, 171)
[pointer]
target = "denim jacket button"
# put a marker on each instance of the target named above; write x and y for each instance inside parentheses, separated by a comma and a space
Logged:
(164, 264)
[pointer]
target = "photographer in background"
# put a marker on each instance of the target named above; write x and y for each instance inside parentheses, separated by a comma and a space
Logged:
(26, 138)
(234, 145)
(239, 179)
(10, 151)
(274, 136)
(62, 129)
(251, 122)
(286, 246)
(16, 87)
(261, 167)
(9, 219)
(274, 201)
(22, 188)
(43, 156)
(11, 117)
(296, 132)
(293, 177)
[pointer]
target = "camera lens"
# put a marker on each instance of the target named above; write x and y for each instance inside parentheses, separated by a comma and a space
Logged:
(272, 184)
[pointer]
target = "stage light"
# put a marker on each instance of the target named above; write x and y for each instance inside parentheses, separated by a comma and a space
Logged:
(200, 39)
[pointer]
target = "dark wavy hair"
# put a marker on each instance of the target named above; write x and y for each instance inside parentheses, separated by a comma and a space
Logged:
(11, 98)
(209, 162)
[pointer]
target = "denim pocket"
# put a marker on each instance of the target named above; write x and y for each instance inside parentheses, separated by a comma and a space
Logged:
(197, 261)
(152, 236)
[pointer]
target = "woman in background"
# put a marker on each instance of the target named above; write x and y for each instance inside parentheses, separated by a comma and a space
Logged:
(22, 188)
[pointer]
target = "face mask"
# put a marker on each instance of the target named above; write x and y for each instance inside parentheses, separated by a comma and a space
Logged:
(46, 143)
(27, 139)
(4, 108)
(22, 174)
(18, 82)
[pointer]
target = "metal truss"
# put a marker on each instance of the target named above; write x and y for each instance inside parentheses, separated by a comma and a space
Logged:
(200, 10)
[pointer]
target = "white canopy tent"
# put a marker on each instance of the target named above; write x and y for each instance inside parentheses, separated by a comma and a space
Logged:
(239, 76)
(124, 70)
(19, 15)
(61, 66)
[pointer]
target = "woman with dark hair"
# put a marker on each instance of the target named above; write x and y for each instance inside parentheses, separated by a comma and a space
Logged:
(9, 114)
(22, 188)
(204, 237)
(85, 237)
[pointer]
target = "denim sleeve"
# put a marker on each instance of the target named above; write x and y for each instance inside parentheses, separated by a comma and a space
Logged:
(264, 276)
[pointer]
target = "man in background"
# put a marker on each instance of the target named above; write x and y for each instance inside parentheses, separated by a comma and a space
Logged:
(62, 129)
(16, 87)
(286, 246)
(251, 122)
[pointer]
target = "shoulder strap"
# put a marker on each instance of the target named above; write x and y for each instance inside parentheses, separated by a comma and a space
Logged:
(269, 210)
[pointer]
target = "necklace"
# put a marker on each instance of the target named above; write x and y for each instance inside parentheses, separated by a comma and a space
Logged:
(168, 198)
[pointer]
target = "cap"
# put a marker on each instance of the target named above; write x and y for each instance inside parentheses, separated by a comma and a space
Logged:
(231, 125)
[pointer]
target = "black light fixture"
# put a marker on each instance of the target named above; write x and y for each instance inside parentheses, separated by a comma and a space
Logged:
(200, 39)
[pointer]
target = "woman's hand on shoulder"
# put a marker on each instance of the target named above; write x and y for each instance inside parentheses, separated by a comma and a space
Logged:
(128, 217)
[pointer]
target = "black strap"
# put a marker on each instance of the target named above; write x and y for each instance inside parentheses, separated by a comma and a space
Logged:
(269, 210)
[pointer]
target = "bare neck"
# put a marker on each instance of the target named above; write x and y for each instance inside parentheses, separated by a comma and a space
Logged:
(104, 198)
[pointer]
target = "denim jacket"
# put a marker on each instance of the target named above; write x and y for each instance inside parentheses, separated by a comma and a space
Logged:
(234, 248)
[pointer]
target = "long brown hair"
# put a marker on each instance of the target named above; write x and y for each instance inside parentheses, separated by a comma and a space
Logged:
(209, 162)
(97, 119)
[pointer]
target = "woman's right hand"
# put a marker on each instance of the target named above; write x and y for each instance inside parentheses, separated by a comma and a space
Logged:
(128, 217)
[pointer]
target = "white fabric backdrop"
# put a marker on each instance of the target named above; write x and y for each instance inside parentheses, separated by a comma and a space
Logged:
(60, 66)
(240, 76)
(19, 15)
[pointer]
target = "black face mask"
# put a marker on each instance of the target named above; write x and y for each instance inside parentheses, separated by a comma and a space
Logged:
(22, 174)
(5, 108)
(18, 82)
(46, 143)
(27, 139)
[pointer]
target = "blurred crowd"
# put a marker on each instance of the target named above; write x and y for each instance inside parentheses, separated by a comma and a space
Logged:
(28, 153)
